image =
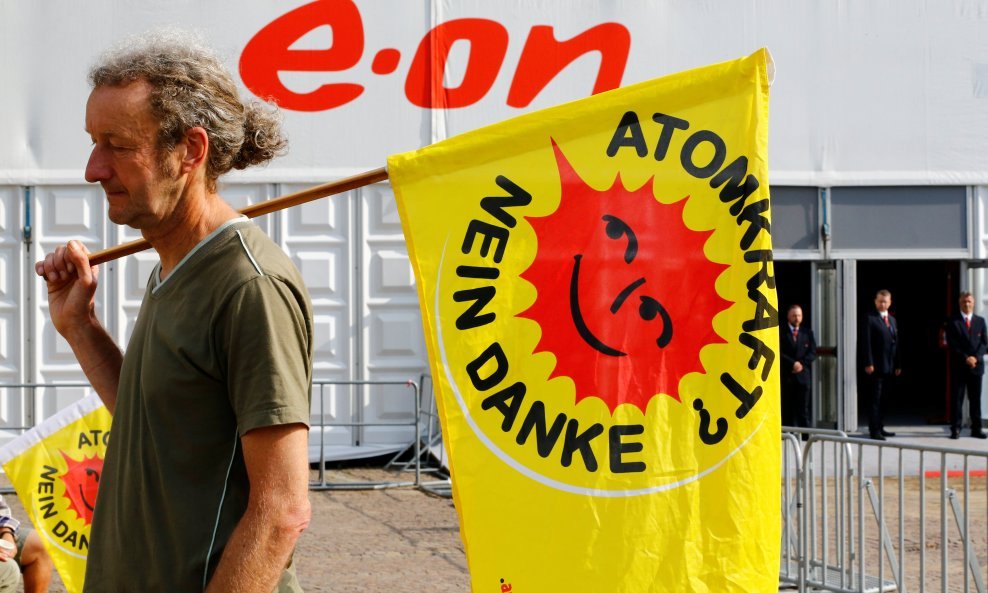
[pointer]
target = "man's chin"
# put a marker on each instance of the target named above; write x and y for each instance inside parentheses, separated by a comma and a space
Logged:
(116, 217)
(123, 219)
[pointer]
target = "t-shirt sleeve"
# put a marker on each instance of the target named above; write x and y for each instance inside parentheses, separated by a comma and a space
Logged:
(266, 339)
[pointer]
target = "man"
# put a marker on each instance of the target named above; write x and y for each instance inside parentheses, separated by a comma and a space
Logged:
(798, 350)
(880, 359)
(22, 553)
(968, 342)
(205, 482)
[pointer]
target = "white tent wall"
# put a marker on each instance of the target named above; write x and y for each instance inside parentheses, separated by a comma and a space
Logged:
(876, 93)
(866, 92)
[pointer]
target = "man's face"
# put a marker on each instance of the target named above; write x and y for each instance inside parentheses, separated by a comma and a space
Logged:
(967, 305)
(882, 303)
(795, 316)
(125, 160)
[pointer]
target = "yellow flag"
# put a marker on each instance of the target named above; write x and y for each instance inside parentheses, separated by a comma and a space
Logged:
(597, 288)
(55, 469)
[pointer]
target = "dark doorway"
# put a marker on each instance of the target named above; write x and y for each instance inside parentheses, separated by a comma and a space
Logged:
(793, 285)
(923, 296)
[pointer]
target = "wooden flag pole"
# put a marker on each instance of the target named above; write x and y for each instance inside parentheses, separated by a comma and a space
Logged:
(260, 209)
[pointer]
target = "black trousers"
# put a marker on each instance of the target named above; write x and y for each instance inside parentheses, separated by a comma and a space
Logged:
(878, 387)
(962, 379)
(795, 403)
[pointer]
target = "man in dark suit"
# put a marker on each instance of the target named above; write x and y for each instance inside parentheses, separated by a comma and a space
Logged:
(880, 358)
(966, 337)
(798, 350)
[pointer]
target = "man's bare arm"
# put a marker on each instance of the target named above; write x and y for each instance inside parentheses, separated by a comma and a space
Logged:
(72, 306)
(278, 511)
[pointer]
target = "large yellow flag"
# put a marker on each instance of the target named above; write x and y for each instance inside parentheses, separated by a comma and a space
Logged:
(597, 288)
(55, 468)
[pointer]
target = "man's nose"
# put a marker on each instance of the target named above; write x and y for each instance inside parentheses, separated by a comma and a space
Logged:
(98, 168)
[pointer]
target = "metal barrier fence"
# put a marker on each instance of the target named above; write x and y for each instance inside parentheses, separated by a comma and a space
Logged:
(863, 516)
(432, 453)
(319, 396)
(31, 406)
(414, 457)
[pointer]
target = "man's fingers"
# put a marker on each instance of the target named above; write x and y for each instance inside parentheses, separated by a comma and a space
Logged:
(77, 260)
(60, 263)
(51, 266)
(64, 262)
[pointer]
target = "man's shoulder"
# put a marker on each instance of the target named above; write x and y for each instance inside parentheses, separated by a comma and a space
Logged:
(247, 252)
(264, 255)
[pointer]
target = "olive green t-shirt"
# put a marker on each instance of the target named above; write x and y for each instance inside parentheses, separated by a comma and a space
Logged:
(222, 346)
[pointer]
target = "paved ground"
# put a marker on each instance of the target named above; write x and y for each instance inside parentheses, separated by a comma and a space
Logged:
(378, 541)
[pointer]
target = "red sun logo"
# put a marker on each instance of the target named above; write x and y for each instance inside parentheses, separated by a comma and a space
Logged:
(81, 481)
(626, 297)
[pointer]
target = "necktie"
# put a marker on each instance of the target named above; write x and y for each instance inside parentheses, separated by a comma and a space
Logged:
(967, 322)
(885, 318)
(795, 333)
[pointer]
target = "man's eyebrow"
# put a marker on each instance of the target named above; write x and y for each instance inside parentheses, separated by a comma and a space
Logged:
(105, 133)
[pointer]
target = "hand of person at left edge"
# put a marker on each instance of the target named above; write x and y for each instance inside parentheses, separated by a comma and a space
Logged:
(5, 552)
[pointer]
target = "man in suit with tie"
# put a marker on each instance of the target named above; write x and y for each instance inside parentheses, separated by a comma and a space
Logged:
(968, 344)
(880, 359)
(798, 350)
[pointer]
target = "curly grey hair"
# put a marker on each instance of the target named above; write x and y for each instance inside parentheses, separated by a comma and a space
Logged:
(190, 88)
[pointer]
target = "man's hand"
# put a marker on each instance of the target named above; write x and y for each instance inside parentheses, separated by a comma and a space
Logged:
(72, 307)
(869, 369)
(797, 367)
(7, 552)
(971, 361)
(71, 287)
(898, 372)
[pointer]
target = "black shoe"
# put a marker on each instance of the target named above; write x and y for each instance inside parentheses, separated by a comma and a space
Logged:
(979, 435)
(876, 437)
(955, 434)
(886, 433)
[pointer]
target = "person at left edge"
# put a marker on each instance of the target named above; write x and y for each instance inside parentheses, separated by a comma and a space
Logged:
(798, 351)
(205, 481)
(25, 558)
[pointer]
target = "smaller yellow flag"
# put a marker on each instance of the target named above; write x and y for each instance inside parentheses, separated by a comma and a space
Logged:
(55, 469)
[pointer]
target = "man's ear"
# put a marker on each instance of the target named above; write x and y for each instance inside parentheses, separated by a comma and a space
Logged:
(196, 150)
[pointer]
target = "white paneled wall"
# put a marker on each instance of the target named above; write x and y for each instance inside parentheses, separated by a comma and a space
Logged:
(319, 238)
(392, 344)
(60, 213)
(12, 257)
(350, 251)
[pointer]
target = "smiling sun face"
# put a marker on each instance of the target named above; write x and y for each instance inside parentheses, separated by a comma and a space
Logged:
(648, 308)
(81, 483)
(624, 318)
